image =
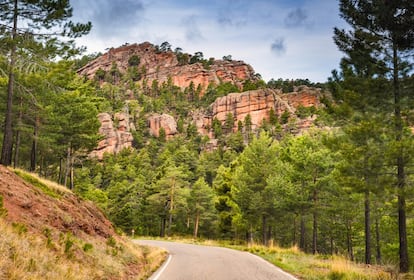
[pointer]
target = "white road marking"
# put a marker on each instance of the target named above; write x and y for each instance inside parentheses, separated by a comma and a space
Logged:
(161, 270)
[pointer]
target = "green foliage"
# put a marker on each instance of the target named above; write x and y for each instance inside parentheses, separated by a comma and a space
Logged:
(284, 118)
(201, 205)
(85, 59)
(37, 183)
(19, 228)
(68, 245)
(217, 128)
(134, 60)
(303, 112)
(100, 74)
(87, 247)
(48, 234)
(111, 242)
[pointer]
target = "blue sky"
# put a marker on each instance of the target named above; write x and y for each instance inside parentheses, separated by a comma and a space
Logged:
(279, 38)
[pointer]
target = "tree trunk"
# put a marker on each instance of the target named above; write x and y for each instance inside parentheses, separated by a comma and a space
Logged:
(33, 152)
(378, 243)
(171, 208)
(18, 134)
(7, 148)
(264, 229)
(401, 176)
(294, 232)
(349, 241)
(269, 236)
(197, 220)
(250, 235)
(163, 222)
(60, 171)
(72, 177)
(302, 242)
(67, 171)
(315, 223)
(367, 228)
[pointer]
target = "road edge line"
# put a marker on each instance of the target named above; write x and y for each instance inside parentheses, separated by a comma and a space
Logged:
(158, 273)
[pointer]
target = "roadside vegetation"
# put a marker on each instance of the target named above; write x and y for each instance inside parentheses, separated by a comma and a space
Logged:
(30, 250)
(24, 255)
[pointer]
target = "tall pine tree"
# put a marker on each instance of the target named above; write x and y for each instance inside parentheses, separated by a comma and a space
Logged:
(24, 24)
(382, 38)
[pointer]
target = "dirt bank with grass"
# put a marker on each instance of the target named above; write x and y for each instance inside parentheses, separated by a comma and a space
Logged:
(50, 233)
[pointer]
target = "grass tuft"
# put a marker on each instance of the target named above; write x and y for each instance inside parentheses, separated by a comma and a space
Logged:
(55, 192)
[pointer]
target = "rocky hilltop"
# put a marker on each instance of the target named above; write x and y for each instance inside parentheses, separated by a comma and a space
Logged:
(154, 64)
(147, 63)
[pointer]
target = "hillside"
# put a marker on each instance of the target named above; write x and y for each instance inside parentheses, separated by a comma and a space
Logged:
(171, 86)
(51, 233)
(146, 63)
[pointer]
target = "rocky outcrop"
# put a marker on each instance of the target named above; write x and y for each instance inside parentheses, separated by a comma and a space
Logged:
(116, 134)
(257, 104)
(157, 65)
(164, 121)
(116, 130)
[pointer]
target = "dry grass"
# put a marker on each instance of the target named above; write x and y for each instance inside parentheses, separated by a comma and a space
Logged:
(312, 267)
(56, 256)
(48, 187)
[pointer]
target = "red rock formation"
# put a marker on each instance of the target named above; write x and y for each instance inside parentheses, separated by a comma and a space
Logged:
(115, 137)
(167, 122)
(257, 104)
(162, 65)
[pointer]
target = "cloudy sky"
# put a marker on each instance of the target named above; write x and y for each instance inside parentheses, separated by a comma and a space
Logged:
(279, 38)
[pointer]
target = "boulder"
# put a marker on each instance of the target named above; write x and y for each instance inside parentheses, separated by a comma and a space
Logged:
(165, 121)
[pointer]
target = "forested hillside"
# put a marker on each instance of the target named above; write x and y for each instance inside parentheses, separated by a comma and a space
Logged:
(325, 167)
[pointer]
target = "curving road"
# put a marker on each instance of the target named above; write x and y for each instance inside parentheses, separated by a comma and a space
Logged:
(194, 262)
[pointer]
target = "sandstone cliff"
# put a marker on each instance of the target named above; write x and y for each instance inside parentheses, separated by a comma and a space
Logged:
(258, 104)
(116, 130)
(160, 66)
(116, 134)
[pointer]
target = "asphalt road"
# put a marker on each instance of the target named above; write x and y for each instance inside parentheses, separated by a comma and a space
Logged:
(194, 262)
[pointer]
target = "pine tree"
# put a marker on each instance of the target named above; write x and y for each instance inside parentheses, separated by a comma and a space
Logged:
(201, 203)
(382, 38)
(48, 22)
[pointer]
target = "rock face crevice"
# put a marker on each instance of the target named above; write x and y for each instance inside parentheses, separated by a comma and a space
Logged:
(116, 134)
(162, 66)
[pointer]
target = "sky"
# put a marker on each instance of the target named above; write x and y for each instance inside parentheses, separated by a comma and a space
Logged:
(288, 39)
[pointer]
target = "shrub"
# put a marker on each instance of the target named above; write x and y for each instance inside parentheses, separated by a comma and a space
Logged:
(87, 247)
